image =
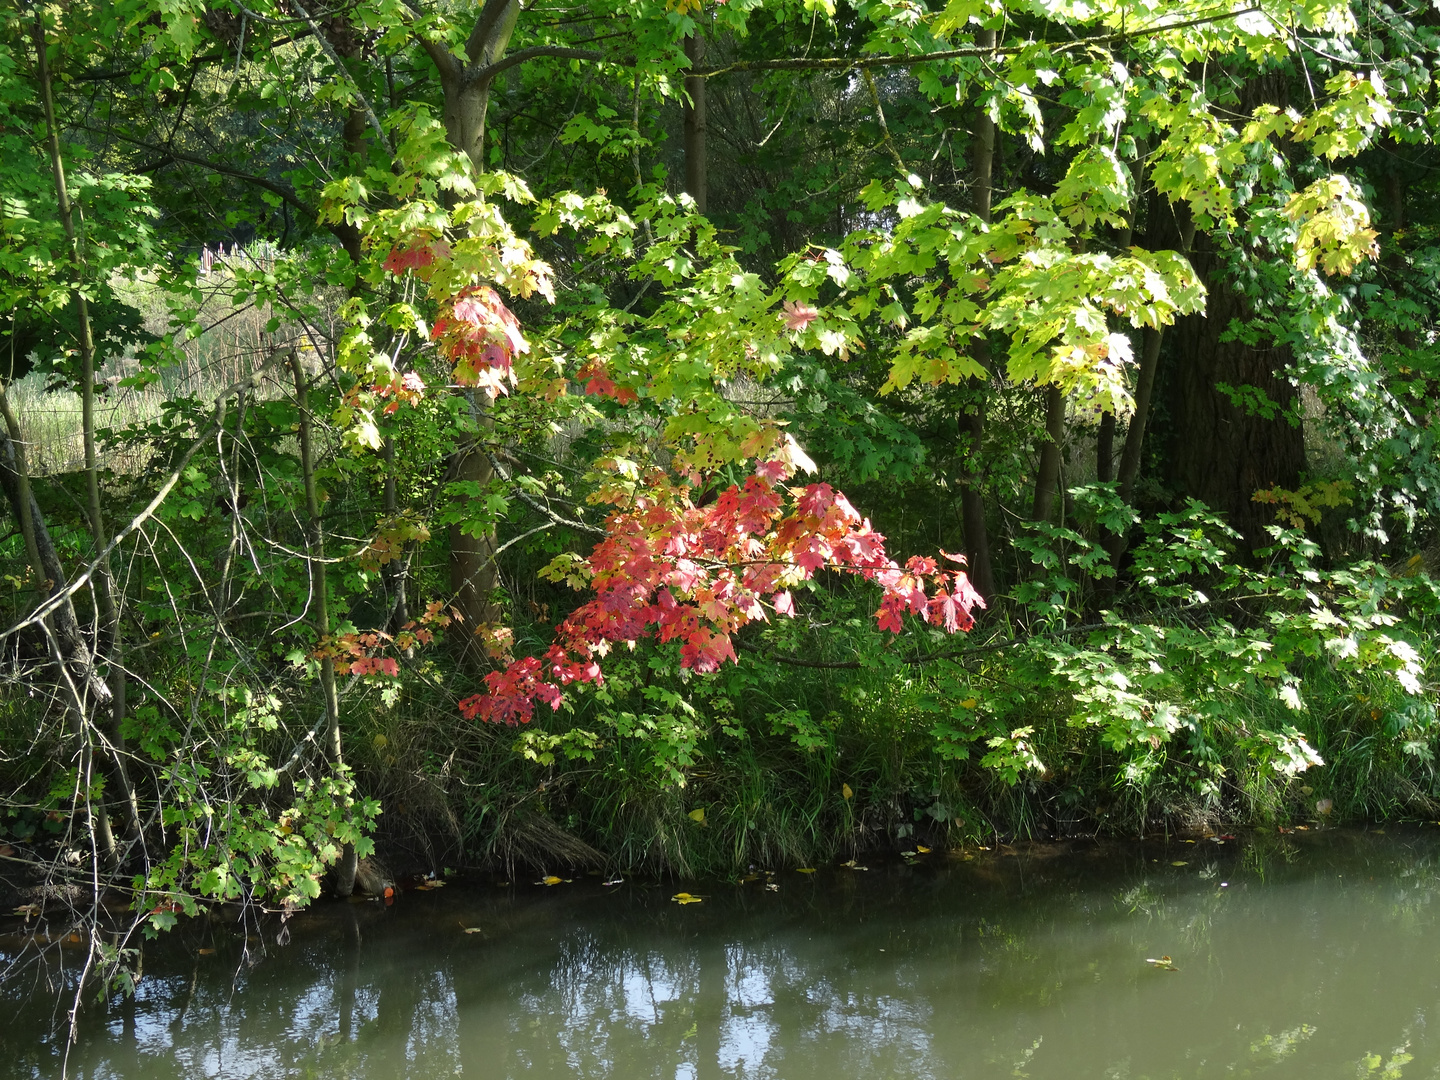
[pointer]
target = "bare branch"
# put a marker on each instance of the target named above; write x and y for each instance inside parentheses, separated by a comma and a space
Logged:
(63, 596)
(848, 63)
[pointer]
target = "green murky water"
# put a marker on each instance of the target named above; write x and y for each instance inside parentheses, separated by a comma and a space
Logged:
(1308, 956)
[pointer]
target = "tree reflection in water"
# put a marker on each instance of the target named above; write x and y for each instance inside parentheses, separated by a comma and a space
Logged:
(1032, 964)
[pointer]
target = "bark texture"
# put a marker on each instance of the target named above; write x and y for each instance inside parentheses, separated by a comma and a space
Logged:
(1221, 452)
(696, 120)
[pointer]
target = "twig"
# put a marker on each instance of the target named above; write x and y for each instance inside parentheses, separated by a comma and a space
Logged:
(249, 382)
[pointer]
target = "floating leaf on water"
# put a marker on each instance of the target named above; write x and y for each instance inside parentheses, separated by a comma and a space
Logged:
(772, 887)
(550, 879)
(686, 898)
(207, 952)
(922, 849)
(697, 816)
(1164, 964)
(804, 870)
(749, 878)
(614, 881)
(907, 854)
(1179, 862)
(853, 865)
(473, 929)
(846, 792)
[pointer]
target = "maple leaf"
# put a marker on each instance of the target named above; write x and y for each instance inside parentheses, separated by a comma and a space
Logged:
(888, 615)
(774, 472)
(798, 316)
(411, 258)
(817, 499)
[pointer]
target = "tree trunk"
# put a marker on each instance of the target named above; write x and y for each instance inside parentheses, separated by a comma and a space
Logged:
(1047, 480)
(1105, 449)
(473, 576)
(696, 163)
(315, 551)
(972, 495)
(1222, 453)
(466, 97)
(396, 570)
(80, 684)
(1395, 252)
(108, 640)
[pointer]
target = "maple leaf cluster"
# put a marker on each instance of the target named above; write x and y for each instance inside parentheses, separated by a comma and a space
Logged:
(481, 337)
(360, 652)
(698, 574)
(406, 388)
(409, 258)
(596, 377)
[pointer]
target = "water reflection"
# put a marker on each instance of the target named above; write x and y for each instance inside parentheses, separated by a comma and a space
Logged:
(1316, 964)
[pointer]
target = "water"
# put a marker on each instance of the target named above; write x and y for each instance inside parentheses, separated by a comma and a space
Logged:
(1309, 956)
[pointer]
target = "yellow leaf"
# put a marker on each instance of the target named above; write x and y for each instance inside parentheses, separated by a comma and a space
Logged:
(698, 816)
(549, 879)
(969, 703)
(1178, 862)
(922, 849)
(381, 742)
(804, 869)
(686, 898)
(845, 791)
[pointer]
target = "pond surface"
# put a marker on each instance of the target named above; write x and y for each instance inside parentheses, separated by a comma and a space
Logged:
(1313, 955)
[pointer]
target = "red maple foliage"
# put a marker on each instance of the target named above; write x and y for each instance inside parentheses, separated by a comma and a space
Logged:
(480, 336)
(697, 574)
(414, 258)
(596, 378)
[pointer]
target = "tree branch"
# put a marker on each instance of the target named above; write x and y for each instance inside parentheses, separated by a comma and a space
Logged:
(847, 63)
(488, 73)
(578, 526)
(169, 155)
(340, 67)
(489, 16)
(62, 596)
